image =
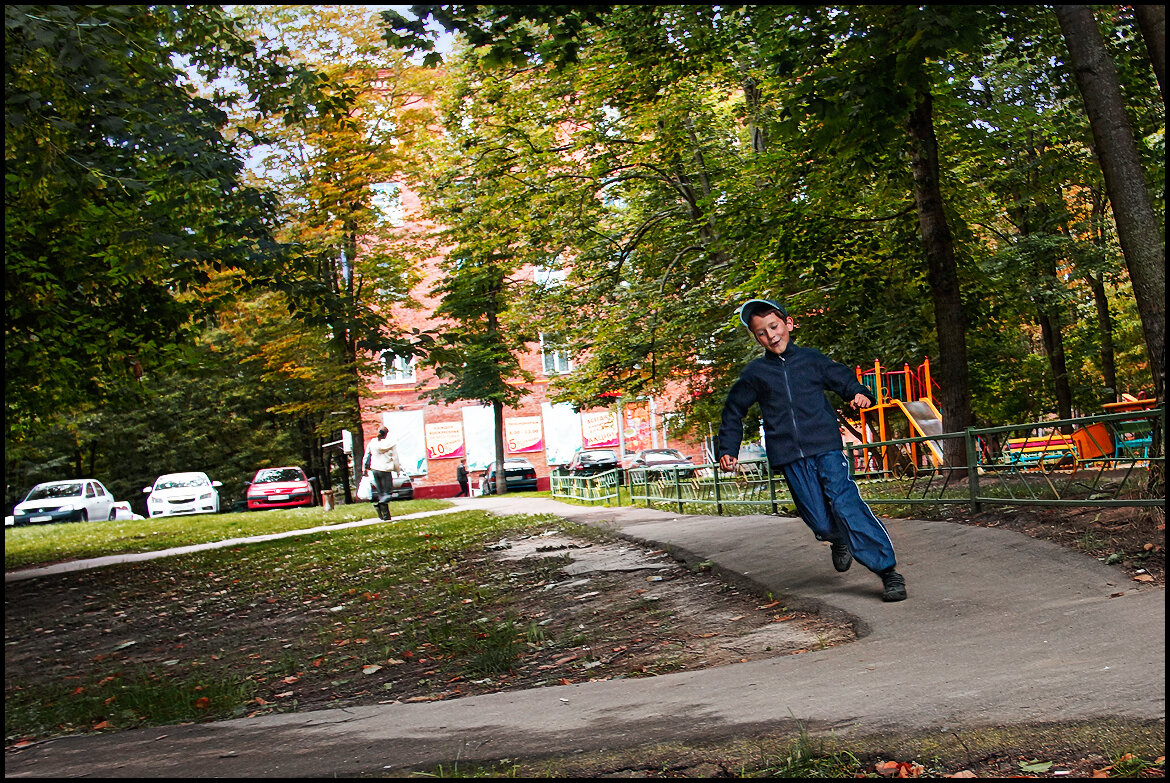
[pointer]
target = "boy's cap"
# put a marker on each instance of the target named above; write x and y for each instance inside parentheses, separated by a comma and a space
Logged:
(756, 306)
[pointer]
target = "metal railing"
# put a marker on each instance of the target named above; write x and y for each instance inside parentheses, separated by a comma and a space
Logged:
(1101, 461)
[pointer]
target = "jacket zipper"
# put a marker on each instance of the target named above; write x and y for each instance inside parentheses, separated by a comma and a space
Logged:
(791, 406)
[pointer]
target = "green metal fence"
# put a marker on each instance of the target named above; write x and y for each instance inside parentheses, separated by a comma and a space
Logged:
(1101, 461)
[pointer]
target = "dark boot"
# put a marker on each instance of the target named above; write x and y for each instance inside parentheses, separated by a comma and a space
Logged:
(384, 512)
(378, 510)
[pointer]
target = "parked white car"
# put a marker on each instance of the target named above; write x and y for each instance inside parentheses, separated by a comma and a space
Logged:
(182, 493)
(77, 500)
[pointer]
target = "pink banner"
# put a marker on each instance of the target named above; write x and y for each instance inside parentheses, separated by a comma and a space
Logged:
(523, 434)
(444, 439)
(599, 428)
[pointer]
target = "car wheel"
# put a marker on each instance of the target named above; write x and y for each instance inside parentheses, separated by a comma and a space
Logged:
(113, 515)
(84, 516)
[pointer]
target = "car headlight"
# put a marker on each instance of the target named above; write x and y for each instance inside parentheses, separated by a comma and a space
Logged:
(206, 496)
(67, 507)
(156, 501)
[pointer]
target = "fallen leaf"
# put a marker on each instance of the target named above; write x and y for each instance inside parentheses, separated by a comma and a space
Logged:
(373, 667)
(782, 619)
(202, 703)
(284, 695)
(769, 606)
(289, 680)
(105, 724)
(1143, 578)
(963, 773)
(887, 769)
(1035, 765)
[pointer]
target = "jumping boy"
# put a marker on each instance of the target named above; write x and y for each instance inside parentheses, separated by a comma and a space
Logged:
(804, 443)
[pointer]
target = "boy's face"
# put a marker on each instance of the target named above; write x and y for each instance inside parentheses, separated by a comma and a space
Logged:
(771, 331)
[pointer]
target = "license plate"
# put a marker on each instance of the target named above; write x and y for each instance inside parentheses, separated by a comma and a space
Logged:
(40, 519)
(278, 497)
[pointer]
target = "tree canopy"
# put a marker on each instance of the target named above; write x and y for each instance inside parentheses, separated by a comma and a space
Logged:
(123, 192)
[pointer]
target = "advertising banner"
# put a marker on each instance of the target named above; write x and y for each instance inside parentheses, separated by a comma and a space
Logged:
(479, 436)
(637, 434)
(445, 439)
(599, 429)
(406, 431)
(522, 435)
(562, 429)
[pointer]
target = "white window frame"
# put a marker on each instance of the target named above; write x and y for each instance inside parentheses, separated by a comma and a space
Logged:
(554, 362)
(397, 369)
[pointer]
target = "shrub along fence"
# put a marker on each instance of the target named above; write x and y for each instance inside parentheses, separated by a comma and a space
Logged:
(1102, 460)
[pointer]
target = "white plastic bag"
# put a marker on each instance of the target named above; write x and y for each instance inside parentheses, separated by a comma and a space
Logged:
(365, 490)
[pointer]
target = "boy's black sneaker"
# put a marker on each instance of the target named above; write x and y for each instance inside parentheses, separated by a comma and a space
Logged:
(842, 557)
(893, 585)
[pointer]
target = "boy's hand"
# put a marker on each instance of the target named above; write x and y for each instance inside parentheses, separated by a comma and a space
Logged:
(861, 401)
(728, 462)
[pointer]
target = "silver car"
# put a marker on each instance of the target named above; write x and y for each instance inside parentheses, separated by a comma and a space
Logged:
(76, 500)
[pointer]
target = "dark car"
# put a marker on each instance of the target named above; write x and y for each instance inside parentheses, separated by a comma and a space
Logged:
(285, 487)
(587, 462)
(659, 463)
(519, 472)
(402, 488)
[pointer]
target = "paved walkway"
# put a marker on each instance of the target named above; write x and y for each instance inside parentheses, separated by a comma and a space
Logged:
(999, 628)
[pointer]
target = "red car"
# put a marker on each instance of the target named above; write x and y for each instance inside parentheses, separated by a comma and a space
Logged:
(279, 488)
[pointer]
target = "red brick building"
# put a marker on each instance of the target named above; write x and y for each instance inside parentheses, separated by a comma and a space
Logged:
(432, 437)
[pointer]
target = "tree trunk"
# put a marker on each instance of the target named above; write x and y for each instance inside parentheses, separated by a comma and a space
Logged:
(1138, 229)
(1101, 299)
(942, 273)
(501, 482)
(1105, 326)
(1151, 20)
(1050, 334)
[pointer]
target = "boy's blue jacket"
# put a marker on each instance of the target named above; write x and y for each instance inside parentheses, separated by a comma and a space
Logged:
(790, 388)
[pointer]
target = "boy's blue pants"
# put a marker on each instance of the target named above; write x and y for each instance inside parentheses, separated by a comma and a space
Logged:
(829, 502)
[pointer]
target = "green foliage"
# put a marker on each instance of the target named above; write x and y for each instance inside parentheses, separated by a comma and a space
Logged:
(740, 152)
(123, 191)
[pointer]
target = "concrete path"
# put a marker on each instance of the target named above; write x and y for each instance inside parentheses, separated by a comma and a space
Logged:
(999, 629)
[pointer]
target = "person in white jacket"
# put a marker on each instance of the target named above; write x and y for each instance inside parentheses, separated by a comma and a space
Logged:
(380, 463)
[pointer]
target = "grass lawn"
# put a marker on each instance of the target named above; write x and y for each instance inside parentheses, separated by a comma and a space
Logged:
(32, 545)
(317, 619)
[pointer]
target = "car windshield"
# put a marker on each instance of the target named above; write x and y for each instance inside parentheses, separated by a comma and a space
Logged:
(177, 483)
(665, 455)
(598, 456)
(46, 491)
(273, 475)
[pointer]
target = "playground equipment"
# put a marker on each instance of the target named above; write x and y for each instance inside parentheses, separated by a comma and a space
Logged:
(911, 393)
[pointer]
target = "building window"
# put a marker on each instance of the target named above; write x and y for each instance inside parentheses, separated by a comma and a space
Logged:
(555, 361)
(397, 369)
(549, 276)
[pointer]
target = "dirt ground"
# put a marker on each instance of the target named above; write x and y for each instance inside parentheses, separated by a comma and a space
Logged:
(1133, 539)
